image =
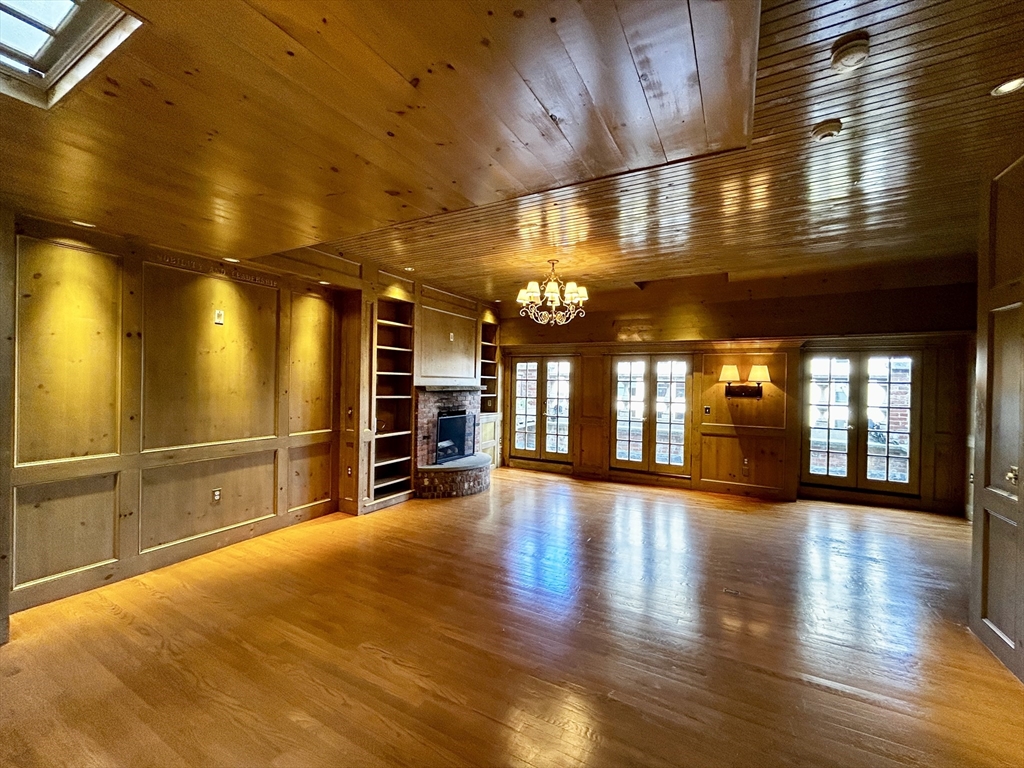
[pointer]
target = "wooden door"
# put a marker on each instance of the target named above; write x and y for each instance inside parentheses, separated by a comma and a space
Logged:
(997, 594)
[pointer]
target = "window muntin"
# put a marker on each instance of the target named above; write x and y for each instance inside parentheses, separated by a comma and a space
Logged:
(630, 408)
(22, 37)
(525, 438)
(49, 13)
(670, 412)
(829, 417)
(888, 419)
(556, 408)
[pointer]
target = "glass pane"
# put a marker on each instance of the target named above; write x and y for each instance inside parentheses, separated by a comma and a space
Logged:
(819, 463)
(899, 445)
(840, 394)
(531, 442)
(819, 416)
(878, 394)
(878, 369)
(899, 395)
(661, 453)
(876, 467)
(635, 452)
(839, 416)
(899, 471)
(630, 409)
(49, 12)
(899, 420)
(22, 37)
(840, 369)
(819, 439)
(876, 443)
(899, 369)
(563, 444)
(622, 450)
(551, 443)
(837, 440)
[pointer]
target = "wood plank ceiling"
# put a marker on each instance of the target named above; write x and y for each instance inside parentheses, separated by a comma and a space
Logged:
(420, 134)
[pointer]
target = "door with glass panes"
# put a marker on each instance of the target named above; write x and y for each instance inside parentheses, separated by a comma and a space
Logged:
(650, 417)
(541, 389)
(863, 420)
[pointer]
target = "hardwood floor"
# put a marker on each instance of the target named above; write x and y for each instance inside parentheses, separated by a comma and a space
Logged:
(549, 622)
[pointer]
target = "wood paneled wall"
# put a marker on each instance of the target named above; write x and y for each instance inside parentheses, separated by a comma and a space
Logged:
(755, 447)
(164, 405)
(937, 295)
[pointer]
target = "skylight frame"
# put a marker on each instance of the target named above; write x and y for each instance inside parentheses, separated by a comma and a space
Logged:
(86, 36)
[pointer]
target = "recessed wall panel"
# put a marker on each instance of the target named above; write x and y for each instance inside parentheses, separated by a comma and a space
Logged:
(999, 578)
(310, 373)
(68, 338)
(63, 526)
(756, 461)
(178, 501)
(309, 478)
(210, 350)
(767, 411)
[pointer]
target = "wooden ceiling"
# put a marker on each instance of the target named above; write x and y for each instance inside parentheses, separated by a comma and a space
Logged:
(420, 134)
(243, 127)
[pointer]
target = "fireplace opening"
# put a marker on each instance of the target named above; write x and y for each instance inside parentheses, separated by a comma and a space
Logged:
(456, 436)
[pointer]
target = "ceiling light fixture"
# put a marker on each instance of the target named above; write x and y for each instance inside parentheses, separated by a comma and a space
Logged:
(409, 269)
(850, 52)
(1010, 86)
(557, 305)
(826, 129)
(228, 258)
(83, 224)
(324, 282)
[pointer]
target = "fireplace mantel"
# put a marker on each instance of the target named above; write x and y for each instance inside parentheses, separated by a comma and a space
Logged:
(453, 388)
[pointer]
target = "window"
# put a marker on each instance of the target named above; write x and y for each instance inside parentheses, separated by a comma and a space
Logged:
(547, 437)
(862, 425)
(48, 46)
(650, 389)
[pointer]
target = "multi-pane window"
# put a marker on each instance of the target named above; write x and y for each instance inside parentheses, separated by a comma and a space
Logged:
(542, 392)
(650, 413)
(526, 406)
(556, 408)
(630, 410)
(861, 423)
(830, 416)
(888, 419)
(670, 412)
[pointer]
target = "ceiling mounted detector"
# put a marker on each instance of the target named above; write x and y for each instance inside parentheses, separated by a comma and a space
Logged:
(826, 130)
(850, 52)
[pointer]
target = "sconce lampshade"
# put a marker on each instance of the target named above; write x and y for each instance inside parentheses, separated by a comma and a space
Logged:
(730, 373)
(759, 374)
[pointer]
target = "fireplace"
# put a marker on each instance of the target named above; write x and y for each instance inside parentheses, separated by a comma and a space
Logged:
(456, 436)
(446, 438)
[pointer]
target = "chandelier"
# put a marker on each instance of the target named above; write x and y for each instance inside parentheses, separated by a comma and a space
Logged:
(557, 305)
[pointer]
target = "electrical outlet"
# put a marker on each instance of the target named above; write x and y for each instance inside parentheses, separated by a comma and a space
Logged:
(707, 410)
(350, 471)
(218, 317)
(216, 495)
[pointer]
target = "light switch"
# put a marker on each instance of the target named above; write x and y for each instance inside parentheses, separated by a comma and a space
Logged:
(216, 495)
(218, 317)
(707, 410)
(451, 337)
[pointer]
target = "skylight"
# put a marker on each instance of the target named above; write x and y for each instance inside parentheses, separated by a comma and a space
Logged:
(48, 46)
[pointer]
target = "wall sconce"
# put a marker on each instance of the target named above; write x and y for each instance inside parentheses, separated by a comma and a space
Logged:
(752, 388)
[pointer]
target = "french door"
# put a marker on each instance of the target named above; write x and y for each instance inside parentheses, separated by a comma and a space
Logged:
(650, 416)
(862, 425)
(541, 389)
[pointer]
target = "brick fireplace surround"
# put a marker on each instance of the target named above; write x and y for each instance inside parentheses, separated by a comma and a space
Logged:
(451, 480)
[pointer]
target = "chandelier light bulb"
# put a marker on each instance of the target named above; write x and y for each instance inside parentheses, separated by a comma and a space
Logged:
(559, 304)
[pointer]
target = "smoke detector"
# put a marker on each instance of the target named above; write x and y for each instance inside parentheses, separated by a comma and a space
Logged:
(826, 130)
(850, 52)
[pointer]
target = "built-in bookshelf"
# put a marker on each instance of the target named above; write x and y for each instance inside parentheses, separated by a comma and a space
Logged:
(393, 447)
(488, 367)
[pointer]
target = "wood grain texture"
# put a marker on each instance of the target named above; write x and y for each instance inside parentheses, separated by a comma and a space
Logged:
(447, 348)
(59, 527)
(311, 371)
(178, 503)
(223, 376)
(549, 622)
(8, 301)
(309, 474)
(363, 114)
(69, 335)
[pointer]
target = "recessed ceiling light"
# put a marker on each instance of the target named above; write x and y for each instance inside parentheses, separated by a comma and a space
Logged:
(324, 282)
(233, 261)
(826, 129)
(409, 269)
(83, 224)
(850, 52)
(1008, 87)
